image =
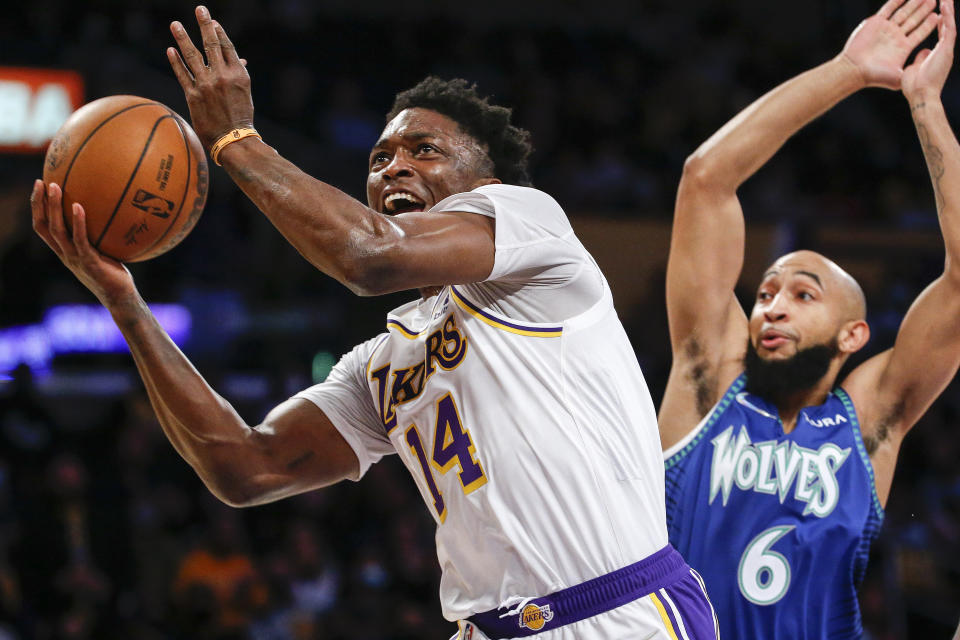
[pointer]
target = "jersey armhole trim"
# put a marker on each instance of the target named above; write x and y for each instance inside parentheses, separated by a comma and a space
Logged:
(679, 451)
(410, 334)
(861, 449)
(535, 330)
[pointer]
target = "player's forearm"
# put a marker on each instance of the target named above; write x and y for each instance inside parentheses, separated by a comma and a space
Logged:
(745, 143)
(336, 233)
(942, 153)
(706, 250)
(203, 428)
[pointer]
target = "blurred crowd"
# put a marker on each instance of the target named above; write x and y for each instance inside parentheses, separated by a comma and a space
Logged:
(106, 533)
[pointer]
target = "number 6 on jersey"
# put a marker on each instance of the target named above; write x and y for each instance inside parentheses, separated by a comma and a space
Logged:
(764, 575)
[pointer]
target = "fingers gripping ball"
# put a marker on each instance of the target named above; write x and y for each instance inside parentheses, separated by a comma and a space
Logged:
(138, 170)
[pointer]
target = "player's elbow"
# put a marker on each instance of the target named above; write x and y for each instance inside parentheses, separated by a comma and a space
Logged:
(702, 173)
(376, 271)
(231, 497)
(230, 474)
(951, 274)
(367, 279)
(358, 282)
(230, 487)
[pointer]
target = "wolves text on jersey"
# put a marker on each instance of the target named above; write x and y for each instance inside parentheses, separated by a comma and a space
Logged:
(774, 467)
(445, 347)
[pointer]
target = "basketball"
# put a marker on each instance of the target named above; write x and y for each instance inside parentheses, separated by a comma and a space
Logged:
(137, 168)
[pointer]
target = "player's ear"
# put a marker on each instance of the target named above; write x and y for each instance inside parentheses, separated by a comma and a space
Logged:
(853, 335)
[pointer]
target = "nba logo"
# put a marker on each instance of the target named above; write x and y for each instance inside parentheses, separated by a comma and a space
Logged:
(152, 204)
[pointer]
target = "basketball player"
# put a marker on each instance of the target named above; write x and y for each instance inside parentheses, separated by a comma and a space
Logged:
(777, 492)
(508, 389)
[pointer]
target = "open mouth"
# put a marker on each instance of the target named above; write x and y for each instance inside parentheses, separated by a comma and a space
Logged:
(402, 202)
(773, 339)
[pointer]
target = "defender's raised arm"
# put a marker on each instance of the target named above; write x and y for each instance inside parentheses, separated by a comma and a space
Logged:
(892, 390)
(785, 547)
(708, 329)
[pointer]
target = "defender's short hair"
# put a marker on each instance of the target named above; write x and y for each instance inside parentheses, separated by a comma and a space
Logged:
(507, 146)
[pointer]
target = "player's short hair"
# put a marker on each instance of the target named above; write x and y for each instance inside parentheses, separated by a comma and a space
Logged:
(508, 146)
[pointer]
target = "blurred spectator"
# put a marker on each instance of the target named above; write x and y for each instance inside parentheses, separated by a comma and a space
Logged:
(217, 588)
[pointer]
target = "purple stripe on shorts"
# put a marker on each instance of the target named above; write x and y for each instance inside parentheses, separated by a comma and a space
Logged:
(668, 608)
(695, 610)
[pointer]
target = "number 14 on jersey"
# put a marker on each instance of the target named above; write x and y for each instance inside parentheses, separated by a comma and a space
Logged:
(452, 446)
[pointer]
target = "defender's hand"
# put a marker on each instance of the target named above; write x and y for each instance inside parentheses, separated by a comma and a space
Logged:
(106, 278)
(218, 91)
(928, 72)
(879, 46)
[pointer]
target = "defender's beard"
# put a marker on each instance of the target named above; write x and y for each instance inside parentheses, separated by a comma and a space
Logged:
(776, 380)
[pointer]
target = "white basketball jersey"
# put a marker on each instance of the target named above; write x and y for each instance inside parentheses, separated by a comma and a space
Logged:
(518, 406)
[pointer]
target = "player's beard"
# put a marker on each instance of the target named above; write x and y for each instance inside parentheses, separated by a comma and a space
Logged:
(776, 380)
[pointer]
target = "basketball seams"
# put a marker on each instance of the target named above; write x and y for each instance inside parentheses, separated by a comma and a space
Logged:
(133, 175)
(66, 175)
(186, 190)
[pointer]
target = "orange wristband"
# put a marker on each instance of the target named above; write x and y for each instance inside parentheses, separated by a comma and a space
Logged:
(227, 138)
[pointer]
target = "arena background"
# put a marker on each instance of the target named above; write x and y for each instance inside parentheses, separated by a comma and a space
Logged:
(106, 533)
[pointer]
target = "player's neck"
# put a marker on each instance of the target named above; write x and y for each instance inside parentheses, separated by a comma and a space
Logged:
(789, 406)
(428, 292)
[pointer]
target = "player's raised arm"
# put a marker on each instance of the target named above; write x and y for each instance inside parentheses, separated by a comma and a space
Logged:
(295, 449)
(894, 388)
(707, 327)
(368, 251)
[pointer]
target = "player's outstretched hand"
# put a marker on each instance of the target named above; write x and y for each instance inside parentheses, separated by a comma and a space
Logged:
(925, 76)
(880, 45)
(215, 82)
(108, 279)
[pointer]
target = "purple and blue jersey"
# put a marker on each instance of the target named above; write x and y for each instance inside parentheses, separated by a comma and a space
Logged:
(778, 524)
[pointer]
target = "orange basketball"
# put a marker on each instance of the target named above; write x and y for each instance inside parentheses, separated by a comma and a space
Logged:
(137, 168)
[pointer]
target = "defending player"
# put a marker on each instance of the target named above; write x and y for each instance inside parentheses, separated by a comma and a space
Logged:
(777, 492)
(508, 389)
